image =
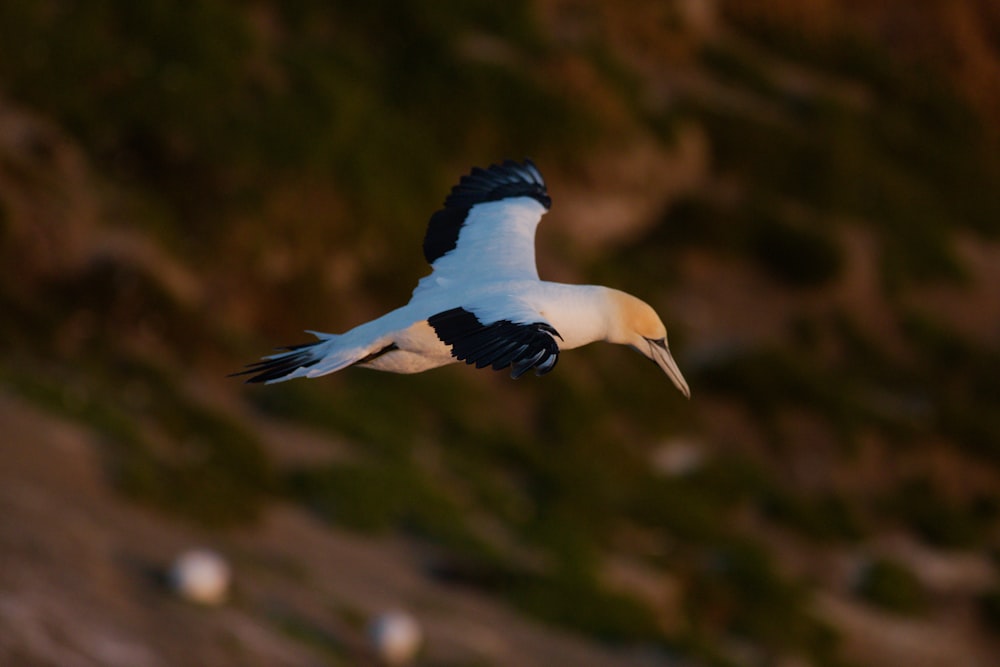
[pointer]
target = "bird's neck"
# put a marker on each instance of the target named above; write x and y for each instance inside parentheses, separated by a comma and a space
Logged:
(580, 313)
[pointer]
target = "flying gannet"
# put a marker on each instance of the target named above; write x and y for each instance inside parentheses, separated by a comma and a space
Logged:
(483, 302)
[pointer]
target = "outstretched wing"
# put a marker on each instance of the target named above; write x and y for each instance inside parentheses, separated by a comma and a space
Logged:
(486, 230)
(499, 344)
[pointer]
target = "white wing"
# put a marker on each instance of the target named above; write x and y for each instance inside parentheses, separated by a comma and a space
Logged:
(486, 230)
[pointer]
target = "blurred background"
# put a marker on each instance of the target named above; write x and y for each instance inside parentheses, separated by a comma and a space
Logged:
(808, 193)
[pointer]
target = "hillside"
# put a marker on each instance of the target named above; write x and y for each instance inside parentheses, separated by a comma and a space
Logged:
(808, 193)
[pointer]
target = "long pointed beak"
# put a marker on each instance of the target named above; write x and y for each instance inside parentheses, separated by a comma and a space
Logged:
(661, 355)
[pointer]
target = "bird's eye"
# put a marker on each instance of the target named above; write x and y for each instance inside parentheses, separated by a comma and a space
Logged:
(659, 342)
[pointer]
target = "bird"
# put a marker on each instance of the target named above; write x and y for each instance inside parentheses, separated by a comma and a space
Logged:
(202, 576)
(483, 302)
(395, 637)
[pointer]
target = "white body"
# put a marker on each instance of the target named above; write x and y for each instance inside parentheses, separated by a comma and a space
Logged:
(570, 309)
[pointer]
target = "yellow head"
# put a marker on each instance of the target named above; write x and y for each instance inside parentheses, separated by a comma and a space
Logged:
(637, 325)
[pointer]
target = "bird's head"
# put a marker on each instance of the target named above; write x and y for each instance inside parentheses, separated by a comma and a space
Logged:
(638, 326)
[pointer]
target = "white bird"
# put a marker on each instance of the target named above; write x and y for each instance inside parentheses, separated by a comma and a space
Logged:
(202, 576)
(396, 637)
(483, 302)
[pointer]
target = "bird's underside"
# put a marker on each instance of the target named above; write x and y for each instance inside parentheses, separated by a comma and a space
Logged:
(447, 337)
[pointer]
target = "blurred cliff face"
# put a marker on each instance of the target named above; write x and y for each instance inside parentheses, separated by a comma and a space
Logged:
(959, 40)
(49, 205)
(809, 190)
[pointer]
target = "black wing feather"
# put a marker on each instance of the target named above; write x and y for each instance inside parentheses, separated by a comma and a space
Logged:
(294, 358)
(297, 356)
(500, 344)
(498, 181)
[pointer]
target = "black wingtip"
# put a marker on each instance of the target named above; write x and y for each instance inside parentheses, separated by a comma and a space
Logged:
(499, 181)
(277, 367)
(500, 345)
(481, 185)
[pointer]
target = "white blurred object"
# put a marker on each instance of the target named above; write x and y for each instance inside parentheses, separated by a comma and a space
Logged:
(202, 576)
(395, 637)
(677, 457)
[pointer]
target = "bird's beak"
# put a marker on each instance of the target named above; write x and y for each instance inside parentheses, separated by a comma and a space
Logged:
(661, 355)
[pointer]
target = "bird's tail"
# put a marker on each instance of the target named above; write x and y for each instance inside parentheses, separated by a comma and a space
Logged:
(304, 360)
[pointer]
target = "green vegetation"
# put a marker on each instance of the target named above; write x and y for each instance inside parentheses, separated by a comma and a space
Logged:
(162, 448)
(939, 521)
(826, 517)
(575, 601)
(793, 252)
(872, 161)
(771, 379)
(989, 610)
(737, 590)
(893, 587)
(201, 105)
(962, 380)
(737, 68)
(830, 160)
(305, 632)
(376, 498)
(797, 255)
